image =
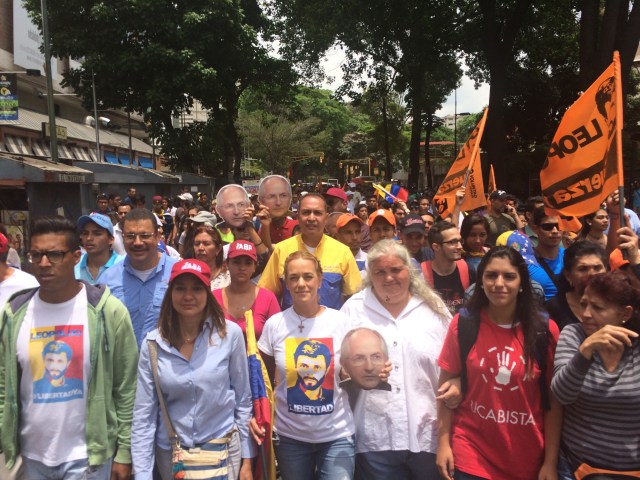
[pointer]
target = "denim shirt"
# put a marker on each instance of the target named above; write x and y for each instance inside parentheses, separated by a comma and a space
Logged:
(83, 273)
(206, 396)
(142, 299)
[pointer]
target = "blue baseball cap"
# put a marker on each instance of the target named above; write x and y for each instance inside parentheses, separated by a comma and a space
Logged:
(101, 220)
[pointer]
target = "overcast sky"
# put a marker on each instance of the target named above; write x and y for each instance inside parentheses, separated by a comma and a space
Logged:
(469, 99)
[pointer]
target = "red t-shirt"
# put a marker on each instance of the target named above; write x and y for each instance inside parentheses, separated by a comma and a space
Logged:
(264, 306)
(281, 232)
(498, 429)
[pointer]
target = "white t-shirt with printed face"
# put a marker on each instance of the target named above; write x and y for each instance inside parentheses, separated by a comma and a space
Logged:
(310, 405)
(54, 355)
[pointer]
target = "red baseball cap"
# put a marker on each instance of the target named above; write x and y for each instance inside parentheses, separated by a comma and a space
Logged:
(386, 214)
(242, 247)
(338, 193)
(616, 260)
(195, 267)
(4, 244)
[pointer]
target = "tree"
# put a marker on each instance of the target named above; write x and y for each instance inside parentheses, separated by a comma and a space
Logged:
(408, 37)
(157, 57)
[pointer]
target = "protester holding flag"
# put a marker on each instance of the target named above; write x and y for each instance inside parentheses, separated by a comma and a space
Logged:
(501, 217)
(196, 362)
(301, 349)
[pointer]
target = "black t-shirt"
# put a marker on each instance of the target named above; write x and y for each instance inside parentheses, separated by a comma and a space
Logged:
(451, 290)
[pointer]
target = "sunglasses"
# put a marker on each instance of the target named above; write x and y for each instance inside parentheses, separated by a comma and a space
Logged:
(548, 227)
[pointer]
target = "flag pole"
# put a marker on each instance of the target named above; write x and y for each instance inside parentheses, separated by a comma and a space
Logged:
(476, 147)
(619, 124)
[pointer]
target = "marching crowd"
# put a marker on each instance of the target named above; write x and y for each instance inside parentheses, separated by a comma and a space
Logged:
(493, 344)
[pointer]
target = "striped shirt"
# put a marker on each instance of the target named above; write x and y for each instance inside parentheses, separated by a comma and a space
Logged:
(601, 420)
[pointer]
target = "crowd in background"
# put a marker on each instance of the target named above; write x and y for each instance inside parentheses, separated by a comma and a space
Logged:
(494, 344)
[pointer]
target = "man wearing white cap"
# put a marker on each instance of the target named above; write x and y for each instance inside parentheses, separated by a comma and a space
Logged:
(96, 237)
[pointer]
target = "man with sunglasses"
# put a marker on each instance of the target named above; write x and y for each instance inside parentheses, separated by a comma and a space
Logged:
(549, 253)
(66, 418)
(141, 280)
(448, 273)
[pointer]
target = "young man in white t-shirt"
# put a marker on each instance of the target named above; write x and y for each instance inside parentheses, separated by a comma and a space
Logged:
(75, 368)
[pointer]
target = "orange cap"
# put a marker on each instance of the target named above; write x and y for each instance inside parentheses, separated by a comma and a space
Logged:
(616, 260)
(346, 218)
(386, 214)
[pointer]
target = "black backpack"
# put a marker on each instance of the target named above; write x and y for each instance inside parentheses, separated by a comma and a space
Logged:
(468, 326)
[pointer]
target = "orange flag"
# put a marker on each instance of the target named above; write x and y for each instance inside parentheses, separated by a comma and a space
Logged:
(491, 185)
(465, 171)
(584, 162)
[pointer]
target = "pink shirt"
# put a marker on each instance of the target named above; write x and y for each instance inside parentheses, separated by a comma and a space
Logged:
(264, 306)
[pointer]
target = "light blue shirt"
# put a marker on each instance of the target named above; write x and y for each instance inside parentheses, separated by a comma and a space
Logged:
(83, 273)
(206, 396)
(142, 299)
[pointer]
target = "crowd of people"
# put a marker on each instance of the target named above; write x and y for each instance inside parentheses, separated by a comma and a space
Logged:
(491, 344)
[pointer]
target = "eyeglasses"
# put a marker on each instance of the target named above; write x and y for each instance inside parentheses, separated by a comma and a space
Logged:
(548, 227)
(454, 242)
(131, 237)
(377, 360)
(54, 256)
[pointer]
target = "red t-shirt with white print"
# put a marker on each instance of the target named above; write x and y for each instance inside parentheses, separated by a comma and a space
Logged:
(498, 429)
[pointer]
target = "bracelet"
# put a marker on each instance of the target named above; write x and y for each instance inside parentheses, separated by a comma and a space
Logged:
(258, 244)
(614, 215)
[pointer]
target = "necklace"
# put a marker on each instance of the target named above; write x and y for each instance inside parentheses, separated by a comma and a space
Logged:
(302, 319)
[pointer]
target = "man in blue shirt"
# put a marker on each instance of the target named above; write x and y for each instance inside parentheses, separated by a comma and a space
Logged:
(549, 253)
(96, 237)
(141, 280)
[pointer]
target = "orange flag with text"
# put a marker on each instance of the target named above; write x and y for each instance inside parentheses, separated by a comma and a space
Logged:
(583, 165)
(465, 171)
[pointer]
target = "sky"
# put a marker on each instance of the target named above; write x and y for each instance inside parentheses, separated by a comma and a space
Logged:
(469, 99)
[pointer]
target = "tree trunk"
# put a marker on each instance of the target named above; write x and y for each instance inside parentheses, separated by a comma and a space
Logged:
(385, 127)
(414, 146)
(427, 151)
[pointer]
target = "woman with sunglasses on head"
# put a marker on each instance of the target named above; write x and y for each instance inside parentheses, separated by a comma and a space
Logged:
(242, 294)
(208, 248)
(502, 429)
(301, 350)
(203, 379)
(597, 380)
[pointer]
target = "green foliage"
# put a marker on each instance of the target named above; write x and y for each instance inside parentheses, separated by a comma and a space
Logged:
(157, 57)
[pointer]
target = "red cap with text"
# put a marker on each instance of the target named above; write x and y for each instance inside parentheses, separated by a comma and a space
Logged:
(195, 267)
(242, 247)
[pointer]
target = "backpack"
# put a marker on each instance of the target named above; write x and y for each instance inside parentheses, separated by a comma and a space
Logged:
(468, 326)
(463, 271)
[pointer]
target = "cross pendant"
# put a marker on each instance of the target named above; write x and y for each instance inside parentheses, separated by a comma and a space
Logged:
(301, 327)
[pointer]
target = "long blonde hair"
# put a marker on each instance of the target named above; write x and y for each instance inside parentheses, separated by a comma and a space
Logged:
(417, 286)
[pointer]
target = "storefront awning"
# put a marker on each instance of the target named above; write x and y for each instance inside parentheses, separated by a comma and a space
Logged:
(20, 170)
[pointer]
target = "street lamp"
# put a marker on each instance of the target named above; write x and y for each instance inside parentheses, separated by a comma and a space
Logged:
(47, 62)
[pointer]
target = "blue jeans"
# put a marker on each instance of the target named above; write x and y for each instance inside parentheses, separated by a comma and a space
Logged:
(76, 470)
(315, 461)
(564, 470)
(396, 465)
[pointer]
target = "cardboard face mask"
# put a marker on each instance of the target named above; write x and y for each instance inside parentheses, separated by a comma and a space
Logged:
(232, 202)
(366, 357)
